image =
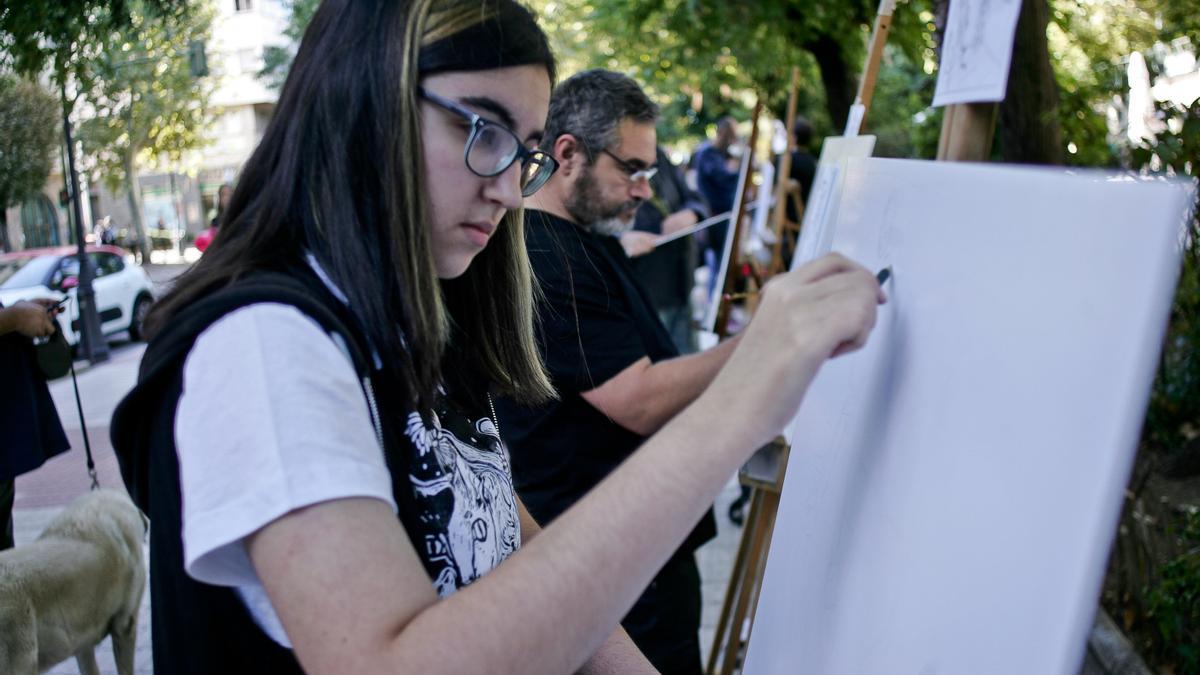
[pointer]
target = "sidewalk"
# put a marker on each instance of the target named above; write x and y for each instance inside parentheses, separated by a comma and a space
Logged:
(43, 493)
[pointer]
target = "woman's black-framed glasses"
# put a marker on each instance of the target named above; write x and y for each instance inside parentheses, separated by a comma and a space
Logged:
(492, 147)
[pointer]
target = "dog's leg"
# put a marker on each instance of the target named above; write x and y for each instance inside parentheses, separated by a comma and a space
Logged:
(20, 661)
(18, 638)
(86, 658)
(124, 639)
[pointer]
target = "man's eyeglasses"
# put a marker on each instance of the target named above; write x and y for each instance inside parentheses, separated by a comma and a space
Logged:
(632, 171)
(491, 148)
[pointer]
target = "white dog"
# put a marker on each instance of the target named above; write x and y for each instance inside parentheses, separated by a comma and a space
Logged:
(81, 580)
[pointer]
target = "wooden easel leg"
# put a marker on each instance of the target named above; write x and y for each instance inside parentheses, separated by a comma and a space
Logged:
(731, 593)
(770, 509)
(755, 533)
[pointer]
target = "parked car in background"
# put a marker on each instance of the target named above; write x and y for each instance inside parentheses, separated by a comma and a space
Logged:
(123, 291)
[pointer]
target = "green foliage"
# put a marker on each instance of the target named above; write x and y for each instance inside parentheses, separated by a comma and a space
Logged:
(277, 59)
(901, 117)
(28, 131)
(1175, 399)
(1174, 603)
(36, 34)
(702, 60)
(147, 106)
(1090, 41)
(1168, 629)
(1176, 18)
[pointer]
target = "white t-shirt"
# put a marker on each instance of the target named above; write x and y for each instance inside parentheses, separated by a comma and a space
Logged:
(272, 418)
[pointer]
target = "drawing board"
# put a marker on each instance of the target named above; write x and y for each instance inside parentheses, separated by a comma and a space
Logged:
(953, 488)
(816, 229)
(714, 299)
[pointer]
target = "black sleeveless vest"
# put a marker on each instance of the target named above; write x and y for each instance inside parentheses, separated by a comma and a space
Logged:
(200, 628)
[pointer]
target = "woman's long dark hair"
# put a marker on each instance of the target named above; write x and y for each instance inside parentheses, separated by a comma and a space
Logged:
(339, 173)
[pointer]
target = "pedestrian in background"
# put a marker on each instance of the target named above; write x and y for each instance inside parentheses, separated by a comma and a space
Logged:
(717, 174)
(30, 431)
(667, 270)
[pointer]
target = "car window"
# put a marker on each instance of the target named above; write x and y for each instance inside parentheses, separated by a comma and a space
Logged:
(25, 272)
(109, 263)
(69, 267)
(97, 260)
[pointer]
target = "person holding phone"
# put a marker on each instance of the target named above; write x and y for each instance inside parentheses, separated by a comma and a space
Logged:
(354, 509)
(30, 431)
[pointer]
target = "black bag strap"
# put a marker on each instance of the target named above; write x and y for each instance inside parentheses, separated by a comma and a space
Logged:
(177, 339)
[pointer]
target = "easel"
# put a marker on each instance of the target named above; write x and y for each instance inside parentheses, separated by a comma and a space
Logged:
(787, 191)
(967, 131)
(765, 471)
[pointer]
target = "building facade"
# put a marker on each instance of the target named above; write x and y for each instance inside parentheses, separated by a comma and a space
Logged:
(176, 206)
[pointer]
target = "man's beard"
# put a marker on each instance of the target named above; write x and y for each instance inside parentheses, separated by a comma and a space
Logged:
(587, 207)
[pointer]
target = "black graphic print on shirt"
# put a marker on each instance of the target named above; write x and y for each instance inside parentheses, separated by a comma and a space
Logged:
(464, 494)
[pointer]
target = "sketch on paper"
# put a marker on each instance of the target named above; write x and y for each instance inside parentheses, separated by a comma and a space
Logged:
(976, 51)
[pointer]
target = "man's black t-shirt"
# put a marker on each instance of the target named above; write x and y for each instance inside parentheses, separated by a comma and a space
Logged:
(595, 321)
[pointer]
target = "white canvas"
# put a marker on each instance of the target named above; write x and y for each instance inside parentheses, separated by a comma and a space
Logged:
(953, 488)
(976, 51)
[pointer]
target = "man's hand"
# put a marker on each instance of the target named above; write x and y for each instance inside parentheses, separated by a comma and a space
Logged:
(680, 220)
(638, 243)
(29, 318)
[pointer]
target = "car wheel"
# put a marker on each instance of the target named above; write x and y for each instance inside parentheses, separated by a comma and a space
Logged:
(137, 324)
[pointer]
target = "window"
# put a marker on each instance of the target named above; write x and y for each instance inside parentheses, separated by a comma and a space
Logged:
(243, 5)
(108, 263)
(249, 61)
(97, 263)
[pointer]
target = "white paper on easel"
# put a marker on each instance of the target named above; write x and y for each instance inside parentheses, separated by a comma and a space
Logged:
(714, 299)
(854, 120)
(954, 487)
(816, 230)
(976, 51)
(762, 201)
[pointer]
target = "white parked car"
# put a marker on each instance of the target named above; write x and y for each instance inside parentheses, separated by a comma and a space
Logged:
(123, 291)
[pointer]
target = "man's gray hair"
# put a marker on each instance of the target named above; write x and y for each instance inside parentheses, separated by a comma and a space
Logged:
(591, 105)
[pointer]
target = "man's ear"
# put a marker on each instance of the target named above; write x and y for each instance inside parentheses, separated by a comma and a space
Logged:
(569, 153)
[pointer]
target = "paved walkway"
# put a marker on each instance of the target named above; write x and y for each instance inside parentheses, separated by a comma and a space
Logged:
(41, 494)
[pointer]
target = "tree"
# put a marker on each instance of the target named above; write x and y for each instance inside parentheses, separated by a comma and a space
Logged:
(36, 34)
(712, 58)
(1029, 126)
(28, 130)
(146, 105)
(277, 59)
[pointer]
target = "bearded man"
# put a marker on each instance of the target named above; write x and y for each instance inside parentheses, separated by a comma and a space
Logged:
(619, 376)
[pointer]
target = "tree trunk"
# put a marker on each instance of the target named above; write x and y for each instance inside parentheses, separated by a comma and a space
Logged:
(835, 76)
(135, 206)
(4, 242)
(1029, 128)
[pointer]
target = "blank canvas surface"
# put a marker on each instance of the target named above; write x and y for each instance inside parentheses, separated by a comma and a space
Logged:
(953, 488)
